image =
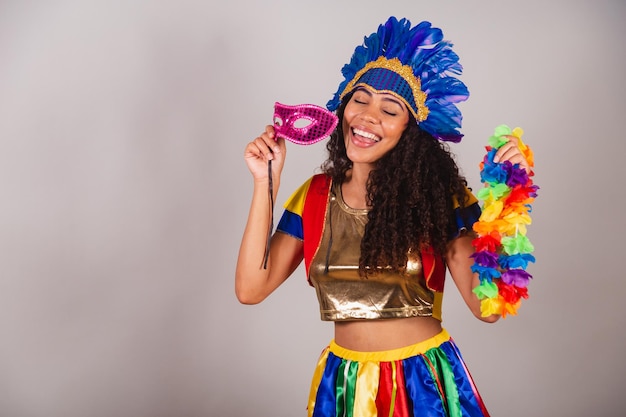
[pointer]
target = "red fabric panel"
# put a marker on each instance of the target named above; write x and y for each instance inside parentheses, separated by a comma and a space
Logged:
(385, 388)
(313, 216)
(434, 269)
(402, 399)
(385, 392)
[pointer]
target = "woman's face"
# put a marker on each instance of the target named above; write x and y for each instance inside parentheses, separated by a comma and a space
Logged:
(372, 125)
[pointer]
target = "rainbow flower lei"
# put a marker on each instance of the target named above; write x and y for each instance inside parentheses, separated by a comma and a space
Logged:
(502, 250)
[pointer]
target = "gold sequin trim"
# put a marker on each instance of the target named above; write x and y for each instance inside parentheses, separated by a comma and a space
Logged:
(406, 72)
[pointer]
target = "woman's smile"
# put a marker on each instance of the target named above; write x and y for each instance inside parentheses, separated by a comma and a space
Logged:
(362, 134)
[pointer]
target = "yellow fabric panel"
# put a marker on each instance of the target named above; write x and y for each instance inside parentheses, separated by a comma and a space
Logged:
(437, 302)
(317, 377)
(295, 203)
(391, 355)
(471, 199)
(366, 389)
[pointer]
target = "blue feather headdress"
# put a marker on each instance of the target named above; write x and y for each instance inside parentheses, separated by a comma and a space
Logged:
(417, 66)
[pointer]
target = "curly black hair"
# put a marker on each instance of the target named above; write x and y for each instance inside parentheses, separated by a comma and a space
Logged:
(410, 193)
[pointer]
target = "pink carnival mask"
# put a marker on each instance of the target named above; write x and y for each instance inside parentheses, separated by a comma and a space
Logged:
(321, 123)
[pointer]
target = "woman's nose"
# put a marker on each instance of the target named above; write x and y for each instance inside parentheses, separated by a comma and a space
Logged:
(368, 115)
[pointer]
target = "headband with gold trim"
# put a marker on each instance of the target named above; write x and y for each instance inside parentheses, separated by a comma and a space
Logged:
(417, 66)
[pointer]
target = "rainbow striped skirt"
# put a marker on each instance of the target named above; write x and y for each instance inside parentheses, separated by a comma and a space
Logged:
(426, 379)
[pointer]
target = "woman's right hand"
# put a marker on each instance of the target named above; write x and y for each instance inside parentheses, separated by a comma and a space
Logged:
(262, 149)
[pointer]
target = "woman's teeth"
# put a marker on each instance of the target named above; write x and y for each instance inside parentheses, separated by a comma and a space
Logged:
(367, 135)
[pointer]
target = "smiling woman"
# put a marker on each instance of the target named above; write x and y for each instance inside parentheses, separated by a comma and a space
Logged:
(376, 231)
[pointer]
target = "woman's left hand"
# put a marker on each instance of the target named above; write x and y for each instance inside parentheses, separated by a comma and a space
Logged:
(510, 152)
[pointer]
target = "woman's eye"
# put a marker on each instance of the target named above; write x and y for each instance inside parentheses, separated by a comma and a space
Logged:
(390, 113)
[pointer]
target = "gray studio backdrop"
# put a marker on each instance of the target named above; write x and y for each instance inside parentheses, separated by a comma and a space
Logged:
(123, 195)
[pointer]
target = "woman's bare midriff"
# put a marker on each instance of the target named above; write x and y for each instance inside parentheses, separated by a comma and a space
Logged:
(385, 334)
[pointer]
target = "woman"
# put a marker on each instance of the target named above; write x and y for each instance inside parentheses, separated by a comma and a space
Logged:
(377, 230)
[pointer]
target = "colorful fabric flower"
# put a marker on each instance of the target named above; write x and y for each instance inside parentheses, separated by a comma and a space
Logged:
(489, 241)
(517, 244)
(517, 277)
(517, 176)
(502, 250)
(485, 273)
(486, 290)
(518, 260)
(486, 258)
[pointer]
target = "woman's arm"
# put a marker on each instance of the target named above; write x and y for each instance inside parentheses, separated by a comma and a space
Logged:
(460, 264)
(253, 282)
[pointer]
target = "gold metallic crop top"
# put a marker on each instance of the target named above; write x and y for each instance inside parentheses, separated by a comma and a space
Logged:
(343, 294)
